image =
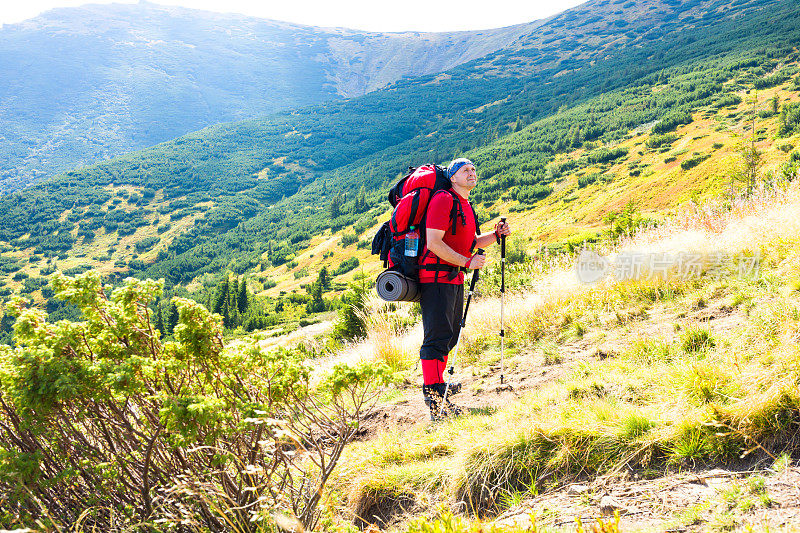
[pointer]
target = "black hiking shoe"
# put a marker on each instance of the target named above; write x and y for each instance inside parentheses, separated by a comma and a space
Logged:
(438, 413)
(434, 395)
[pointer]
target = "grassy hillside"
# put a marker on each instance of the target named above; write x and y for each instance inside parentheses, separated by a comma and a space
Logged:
(86, 84)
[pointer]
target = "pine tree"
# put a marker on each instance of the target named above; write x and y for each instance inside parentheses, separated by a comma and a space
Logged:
(752, 157)
(335, 208)
(231, 315)
(243, 299)
(220, 296)
(159, 320)
(233, 296)
(351, 324)
(576, 137)
(317, 304)
(324, 279)
(172, 318)
(226, 314)
(360, 205)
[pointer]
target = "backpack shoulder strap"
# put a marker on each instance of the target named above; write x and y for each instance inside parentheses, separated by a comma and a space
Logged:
(457, 212)
(477, 227)
(475, 217)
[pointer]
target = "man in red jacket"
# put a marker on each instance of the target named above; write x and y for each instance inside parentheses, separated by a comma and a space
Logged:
(451, 236)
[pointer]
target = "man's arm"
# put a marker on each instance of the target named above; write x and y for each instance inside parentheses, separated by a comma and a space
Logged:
(501, 228)
(483, 241)
(437, 245)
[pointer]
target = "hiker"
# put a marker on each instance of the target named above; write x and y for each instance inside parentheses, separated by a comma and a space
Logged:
(451, 237)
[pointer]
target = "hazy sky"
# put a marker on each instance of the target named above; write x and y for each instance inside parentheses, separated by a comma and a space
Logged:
(374, 15)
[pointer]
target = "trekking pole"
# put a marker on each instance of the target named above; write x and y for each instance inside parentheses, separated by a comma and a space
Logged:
(502, 302)
(451, 370)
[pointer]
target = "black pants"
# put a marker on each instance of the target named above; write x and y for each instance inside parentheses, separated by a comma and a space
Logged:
(442, 305)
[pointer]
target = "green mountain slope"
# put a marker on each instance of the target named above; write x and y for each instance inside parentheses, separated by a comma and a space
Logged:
(265, 194)
(85, 84)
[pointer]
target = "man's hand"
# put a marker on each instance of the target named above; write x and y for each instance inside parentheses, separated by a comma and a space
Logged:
(477, 261)
(502, 228)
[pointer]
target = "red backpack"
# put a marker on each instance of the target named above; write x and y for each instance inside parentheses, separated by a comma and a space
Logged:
(410, 198)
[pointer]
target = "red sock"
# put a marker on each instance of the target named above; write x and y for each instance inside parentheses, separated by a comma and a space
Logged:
(433, 370)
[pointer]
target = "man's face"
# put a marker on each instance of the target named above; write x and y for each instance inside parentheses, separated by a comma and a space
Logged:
(465, 177)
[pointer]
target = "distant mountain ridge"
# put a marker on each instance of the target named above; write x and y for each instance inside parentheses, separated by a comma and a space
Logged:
(85, 84)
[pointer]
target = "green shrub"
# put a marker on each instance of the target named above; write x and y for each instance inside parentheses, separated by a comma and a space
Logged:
(625, 221)
(696, 339)
(348, 239)
(605, 155)
(728, 100)
(146, 244)
(588, 179)
(658, 141)
(111, 427)
(346, 266)
(672, 121)
(531, 193)
(693, 161)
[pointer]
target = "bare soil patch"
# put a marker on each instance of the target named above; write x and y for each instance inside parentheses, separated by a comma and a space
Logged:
(698, 500)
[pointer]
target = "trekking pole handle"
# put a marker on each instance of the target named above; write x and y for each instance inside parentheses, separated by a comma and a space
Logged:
(502, 240)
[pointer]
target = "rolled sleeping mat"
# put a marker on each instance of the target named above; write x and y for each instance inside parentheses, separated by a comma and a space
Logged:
(392, 286)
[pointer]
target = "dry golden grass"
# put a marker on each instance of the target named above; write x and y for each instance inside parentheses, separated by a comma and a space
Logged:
(390, 337)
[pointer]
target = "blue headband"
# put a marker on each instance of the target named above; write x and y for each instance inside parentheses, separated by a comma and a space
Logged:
(456, 164)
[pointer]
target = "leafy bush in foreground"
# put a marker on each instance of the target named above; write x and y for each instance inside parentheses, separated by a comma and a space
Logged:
(100, 416)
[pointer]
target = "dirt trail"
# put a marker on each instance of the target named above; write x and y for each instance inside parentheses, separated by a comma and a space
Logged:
(700, 500)
(481, 388)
